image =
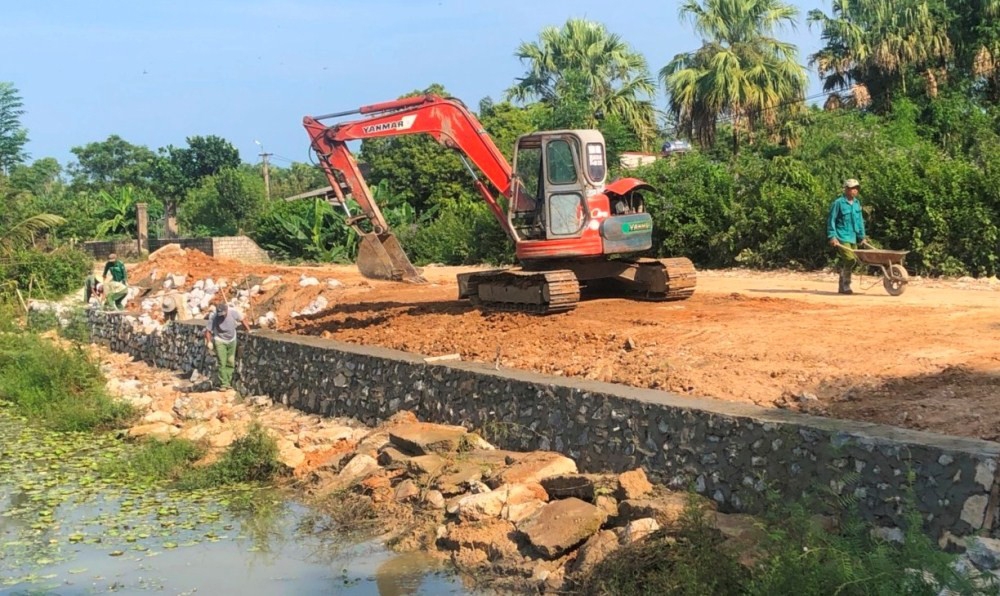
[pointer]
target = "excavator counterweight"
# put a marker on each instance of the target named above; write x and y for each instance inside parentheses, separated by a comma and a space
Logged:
(572, 231)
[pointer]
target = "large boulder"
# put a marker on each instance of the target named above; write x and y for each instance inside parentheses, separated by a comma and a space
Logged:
(289, 455)
(491, 504)
(633, 485)
(595, 550)
(535, 467)
(561, 525)
(638, 529)
(423, 438)
(360, 467)
(572, 485)
(159, 431)
(666, 509)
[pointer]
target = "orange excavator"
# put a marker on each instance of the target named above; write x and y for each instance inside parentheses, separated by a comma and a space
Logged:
(570, 227)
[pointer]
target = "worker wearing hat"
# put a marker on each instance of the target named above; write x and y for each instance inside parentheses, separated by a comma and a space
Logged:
(220, 336)
(174, 307)
(845, 230)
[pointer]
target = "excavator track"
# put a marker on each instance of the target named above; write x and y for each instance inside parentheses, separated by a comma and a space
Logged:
(536, 292)
(681, 279)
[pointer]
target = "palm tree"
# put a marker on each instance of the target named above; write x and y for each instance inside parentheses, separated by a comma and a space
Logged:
(741, 72)
(877, 43)
(617, 77)
(23, 233)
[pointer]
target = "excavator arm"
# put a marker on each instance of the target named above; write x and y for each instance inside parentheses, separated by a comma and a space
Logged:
(449, 123)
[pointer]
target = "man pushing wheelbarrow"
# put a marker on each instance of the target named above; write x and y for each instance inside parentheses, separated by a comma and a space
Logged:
(845, 229)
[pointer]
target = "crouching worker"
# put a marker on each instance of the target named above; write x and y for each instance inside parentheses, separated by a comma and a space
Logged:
(115, 293)
(220, 335)
(174, 308)
(90, 288)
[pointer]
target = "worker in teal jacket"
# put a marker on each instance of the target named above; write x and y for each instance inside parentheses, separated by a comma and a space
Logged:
(845, 230)
(116, 268)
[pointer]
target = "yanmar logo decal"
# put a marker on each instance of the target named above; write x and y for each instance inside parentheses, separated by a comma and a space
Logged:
(402, 124)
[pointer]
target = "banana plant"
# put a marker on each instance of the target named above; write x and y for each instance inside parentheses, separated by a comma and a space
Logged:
(117, 212)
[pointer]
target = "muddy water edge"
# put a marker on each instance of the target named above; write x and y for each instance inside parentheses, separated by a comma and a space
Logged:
(69, 527)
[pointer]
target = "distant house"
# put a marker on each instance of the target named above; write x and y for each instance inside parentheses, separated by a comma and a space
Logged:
(634, 159)
(675, 147)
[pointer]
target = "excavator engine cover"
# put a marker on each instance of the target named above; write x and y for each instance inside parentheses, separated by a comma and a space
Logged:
(380, 256)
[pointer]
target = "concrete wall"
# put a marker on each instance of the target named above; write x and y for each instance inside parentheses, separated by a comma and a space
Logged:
(239, 248)
(729, 452)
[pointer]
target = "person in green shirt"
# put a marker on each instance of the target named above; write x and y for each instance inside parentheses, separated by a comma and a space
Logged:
(117, 269)
(845, 230)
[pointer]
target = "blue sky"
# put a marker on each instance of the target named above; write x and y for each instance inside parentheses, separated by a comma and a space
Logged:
(157, 72)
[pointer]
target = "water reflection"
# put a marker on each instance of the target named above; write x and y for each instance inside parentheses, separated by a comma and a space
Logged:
(65, 529)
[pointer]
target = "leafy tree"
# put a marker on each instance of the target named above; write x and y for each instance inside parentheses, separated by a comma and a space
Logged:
(223, 204)
(309, 229)
(40, 178)
(181, 169)
(418, 170)
(741, 72)
(616, 77)
(110, 163)
(975, 33)
(13, 136)
(879, 43)
(506, 122)
(204, 156)
(296, 179)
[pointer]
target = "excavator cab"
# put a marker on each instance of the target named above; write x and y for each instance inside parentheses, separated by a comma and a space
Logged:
(554, 174)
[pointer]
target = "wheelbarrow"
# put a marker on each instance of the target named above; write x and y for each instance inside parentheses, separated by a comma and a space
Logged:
(890, 263)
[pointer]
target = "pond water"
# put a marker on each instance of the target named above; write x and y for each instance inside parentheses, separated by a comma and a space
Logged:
(68, 528)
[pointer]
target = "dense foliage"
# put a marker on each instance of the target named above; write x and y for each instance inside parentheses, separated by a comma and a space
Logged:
(924, 145)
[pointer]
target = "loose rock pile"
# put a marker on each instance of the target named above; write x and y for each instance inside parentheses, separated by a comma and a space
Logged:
(529, 519)
(175, 273)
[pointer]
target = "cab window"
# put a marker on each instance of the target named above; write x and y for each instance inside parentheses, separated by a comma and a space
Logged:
(559, 157)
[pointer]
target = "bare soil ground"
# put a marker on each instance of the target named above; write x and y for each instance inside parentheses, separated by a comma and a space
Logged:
(928, 359)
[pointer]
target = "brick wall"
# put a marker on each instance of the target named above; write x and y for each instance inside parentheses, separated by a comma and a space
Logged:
(100, 249)
(239, 248)
(202, 244)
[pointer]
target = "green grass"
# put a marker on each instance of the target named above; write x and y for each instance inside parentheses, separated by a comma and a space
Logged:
(794, 556)
(689, 561)
(58, 387)
(155, 461)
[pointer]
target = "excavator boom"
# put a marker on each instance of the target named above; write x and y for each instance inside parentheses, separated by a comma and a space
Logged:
(380, 255)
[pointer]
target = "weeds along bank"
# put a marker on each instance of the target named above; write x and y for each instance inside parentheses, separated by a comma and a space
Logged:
(501, 516)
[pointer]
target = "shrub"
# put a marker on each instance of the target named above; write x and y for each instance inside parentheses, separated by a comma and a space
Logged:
(251, 458)
(49, 274)
(461, 233)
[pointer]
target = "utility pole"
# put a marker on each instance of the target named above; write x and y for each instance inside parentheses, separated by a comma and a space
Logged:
(267, 173)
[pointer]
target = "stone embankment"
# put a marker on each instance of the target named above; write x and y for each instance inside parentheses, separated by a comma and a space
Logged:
(527, 519)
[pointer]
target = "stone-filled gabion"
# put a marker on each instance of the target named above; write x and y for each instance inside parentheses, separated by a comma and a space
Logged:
(729, 452)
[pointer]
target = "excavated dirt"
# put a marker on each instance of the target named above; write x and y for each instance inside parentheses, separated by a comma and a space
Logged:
(926, 360)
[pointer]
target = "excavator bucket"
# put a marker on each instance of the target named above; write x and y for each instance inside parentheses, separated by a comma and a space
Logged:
(380, 256)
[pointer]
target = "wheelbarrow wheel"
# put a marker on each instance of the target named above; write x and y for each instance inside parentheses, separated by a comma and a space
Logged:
(895, 284)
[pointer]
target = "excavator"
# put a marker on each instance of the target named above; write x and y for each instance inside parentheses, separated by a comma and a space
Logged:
(570, 227)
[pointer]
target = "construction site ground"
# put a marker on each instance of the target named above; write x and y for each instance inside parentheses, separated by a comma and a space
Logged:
(925, 360)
